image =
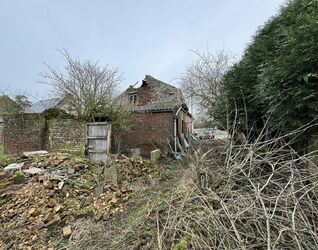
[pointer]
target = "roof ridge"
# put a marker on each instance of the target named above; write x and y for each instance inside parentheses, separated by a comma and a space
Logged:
(150, 79)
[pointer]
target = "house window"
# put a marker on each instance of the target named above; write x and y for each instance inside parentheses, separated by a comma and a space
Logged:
(133, 98)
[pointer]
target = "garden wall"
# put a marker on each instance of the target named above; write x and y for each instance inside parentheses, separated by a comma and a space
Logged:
(23, 132)
(28, 132)
(66, 135)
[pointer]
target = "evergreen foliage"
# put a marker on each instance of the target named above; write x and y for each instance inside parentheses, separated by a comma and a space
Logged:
(277, 77)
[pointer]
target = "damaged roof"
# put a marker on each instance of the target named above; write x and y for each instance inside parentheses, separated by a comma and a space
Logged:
(43, 105)
(164, 97)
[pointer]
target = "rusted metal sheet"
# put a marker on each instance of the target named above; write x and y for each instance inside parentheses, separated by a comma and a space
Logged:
(98, 140)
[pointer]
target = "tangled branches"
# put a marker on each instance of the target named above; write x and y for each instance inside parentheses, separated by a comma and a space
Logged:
(261, 195)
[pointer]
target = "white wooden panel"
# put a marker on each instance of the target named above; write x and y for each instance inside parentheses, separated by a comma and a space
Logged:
(97, 130)
(98, 141)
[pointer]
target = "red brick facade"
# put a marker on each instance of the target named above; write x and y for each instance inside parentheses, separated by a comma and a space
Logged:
(151, 130)
(155, 104)
(144, 95)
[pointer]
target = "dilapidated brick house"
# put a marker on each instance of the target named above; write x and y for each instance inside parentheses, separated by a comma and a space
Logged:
(161, 116)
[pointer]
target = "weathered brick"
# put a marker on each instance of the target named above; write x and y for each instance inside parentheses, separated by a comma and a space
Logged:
(66, 135)
(23, 132)
(151, 131)
(28, 132)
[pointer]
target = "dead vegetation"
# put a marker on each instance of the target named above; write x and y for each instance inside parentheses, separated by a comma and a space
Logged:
(254, 196)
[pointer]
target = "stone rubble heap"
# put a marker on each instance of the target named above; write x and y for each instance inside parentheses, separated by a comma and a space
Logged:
(43, 194)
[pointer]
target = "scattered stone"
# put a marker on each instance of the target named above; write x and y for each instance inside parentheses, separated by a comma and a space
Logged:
(47, 217)
(65, 214)
(123, 190)
(106, 217)
(134, 168)
(33, 171)
(29, 226)
(55, 221)
(67, 231)
(38, 225)
(21, 223)
(43, 178)
(31, 211)
(30, 153)
(71, 171)
(38, 204)
(57, 176)
(13, 167)
(18, 178)
(155, 155)
(48, 184)
(60, 185)
(57, 207)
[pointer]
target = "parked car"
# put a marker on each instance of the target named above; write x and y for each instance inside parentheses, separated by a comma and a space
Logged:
(204, 133)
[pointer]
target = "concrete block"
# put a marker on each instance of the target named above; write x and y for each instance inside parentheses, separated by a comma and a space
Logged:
(155, 155)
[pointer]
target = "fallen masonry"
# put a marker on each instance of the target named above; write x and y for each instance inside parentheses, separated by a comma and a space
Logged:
(58, 189)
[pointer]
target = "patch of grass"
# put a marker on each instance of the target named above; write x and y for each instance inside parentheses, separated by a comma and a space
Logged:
(5, 160)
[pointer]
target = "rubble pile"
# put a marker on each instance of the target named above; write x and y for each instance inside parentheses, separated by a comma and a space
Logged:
(43, 194)
(131, 169)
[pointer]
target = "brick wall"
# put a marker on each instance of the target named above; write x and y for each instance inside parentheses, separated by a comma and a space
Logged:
(151, 130)
(28, 132)
(67, 135)
(23, 132)
(144, 95)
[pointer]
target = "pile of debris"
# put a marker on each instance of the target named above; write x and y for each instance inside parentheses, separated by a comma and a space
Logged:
(41, 195)
(130, 169)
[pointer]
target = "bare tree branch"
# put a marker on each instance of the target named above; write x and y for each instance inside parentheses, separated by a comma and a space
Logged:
(85, 87)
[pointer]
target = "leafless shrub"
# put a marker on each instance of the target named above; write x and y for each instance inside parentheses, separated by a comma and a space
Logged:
(85, 87)
(201, 83)
(259, 196)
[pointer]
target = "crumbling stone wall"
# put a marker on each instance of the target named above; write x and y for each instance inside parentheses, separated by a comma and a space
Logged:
(23, 132)
(150, 130)
(28, 132)
(67, 135)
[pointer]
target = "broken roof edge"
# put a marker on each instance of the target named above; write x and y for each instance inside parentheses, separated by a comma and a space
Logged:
(152, 80)
(43, 105)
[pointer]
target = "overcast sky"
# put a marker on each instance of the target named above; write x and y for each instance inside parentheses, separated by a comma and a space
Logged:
(138, 36)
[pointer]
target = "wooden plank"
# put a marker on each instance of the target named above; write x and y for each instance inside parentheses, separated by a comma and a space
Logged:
(97, 137)
(97, 131)
(98, 140)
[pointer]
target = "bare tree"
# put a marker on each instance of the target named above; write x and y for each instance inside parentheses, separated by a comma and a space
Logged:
(201, 83)
(85, 88)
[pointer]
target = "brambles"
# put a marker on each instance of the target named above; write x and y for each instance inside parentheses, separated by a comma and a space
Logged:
(264, 195)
